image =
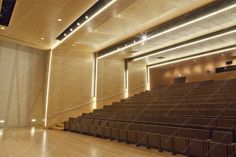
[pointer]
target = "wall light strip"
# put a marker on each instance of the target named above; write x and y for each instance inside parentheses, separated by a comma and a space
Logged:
(169, 30)
(148, 78)
(82, 24)
(126, 79)
(188, 44)
(48, 88)
(192, 57)
(94, 79)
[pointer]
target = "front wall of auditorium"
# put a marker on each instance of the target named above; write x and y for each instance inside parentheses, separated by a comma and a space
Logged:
(194, 71)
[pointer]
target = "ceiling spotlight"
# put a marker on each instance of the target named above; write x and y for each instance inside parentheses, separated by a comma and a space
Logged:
(65, 34)
(71, 29)
(33, 120)
(2, 28)
(78, 23)
(42, 38)
(59, 20)
(119, 15)
(2, 121)
(144, 37)
(134, 41)
(86, 17)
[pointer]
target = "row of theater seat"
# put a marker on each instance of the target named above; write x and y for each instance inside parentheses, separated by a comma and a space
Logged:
(183, 140)
(194, 119)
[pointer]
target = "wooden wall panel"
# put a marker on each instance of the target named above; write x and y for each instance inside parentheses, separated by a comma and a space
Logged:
(193, 70)
(70, 85)
(22, 82)
(137, 77)
(110, 81)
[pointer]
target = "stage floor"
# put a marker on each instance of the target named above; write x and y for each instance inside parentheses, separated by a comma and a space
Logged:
(37, 142)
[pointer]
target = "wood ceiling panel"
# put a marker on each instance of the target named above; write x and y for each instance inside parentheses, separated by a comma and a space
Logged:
(136, 16)
(33, 19)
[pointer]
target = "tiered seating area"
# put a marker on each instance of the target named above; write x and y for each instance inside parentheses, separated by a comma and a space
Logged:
(193, 119)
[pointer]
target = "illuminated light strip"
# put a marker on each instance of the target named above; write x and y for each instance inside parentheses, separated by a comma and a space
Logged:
(169, 30)
(47, 88)
(94, 82)
(148, 85)
(82, 24)
(94, 77)
(126, 80)
(188, 44)
(193, 57)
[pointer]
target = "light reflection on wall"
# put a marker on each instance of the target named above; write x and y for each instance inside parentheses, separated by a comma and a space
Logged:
(1, 133)
(32, 131)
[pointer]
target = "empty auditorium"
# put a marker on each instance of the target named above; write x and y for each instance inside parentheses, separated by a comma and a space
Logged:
(118, 78)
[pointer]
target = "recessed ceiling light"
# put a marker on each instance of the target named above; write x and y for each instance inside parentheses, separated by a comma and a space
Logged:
(71, 29)
(59, 20)
(2, 121)
(119, 15)
(144, 37)
(33, 120)
(42, 38)
(2, 28)
(65, 34)
(78, 23)
(86, 17)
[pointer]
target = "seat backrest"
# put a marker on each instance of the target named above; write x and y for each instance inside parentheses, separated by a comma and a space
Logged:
(112, 124)
(158, 129)
(146, 127)
(134, 126)
(222, 137)
(97, 122)
(199, 134)
(183, 132)
(104, 122)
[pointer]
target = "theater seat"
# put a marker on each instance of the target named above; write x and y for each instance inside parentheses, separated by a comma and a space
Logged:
(197, 144)
(220, 144)
(133, 133)
(154, 137)
(93, 127)
(101, 128)
(181, 141)
(143, 133)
